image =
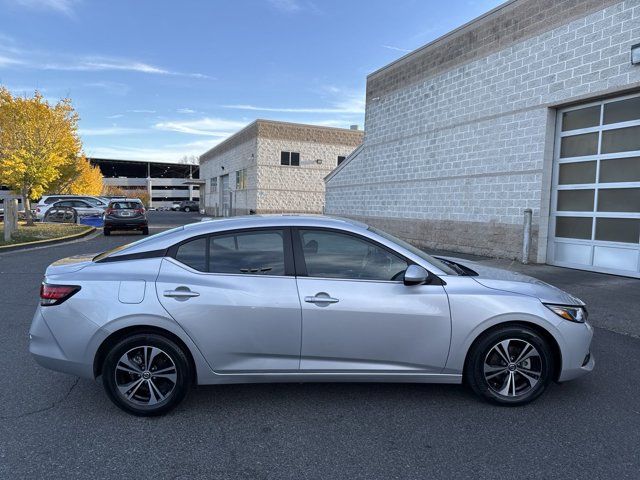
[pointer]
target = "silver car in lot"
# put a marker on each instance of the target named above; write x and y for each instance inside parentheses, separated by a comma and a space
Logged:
(300, 299)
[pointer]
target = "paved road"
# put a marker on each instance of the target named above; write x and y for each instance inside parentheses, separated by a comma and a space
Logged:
(56, 426)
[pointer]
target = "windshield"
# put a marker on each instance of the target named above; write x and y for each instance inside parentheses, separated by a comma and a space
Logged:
(416, 251)
(125, 205)
(102, 255)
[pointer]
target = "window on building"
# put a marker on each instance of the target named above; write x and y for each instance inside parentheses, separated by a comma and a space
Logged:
(213, 183)
(241, 179)
(341, 159)
(290, 158)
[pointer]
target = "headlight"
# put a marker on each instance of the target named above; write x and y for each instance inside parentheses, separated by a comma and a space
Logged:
(573, 314)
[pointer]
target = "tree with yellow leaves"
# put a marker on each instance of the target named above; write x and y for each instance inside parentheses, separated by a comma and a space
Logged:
(36, 141)
(77, 177)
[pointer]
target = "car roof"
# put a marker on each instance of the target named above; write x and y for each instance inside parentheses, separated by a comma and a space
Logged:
(171, 237)
(66, 199)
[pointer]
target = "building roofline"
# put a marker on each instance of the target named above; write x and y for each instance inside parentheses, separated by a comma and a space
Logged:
(177, 162)
(229, 139)
(446, 36)
(347, 160)
(261, 121)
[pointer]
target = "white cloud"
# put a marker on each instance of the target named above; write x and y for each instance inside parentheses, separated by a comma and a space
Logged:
(342, 102)
(397, 49)
(164, 153)
(294, 6)
(141, 111)
(100, 132)
(186, 110)
(65, 7)
(288, 6)
(347, 109)
(113, 88)
(6, 61)
(212, 127)
(41, 60)
(117, 115)
(99, 64)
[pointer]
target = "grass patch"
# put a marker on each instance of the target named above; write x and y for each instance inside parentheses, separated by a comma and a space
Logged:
(41, 231)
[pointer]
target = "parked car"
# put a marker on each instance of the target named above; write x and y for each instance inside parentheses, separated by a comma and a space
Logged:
(188, 206)
(82, 207)
(46, 201)
(127, 214)
(175, 206)
(295, 299)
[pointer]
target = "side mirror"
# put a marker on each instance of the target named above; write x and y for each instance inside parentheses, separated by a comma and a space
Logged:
(416, 275)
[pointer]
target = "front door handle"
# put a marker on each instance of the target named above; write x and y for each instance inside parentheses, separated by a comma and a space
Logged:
(321, 298)
(180, 293)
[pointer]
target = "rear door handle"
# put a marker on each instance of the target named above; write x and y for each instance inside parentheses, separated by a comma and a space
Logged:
(180, 293)
(321, 298)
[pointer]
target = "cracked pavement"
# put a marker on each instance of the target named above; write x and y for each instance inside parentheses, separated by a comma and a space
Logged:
(57, 426)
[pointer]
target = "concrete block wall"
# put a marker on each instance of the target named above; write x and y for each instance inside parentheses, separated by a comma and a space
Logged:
(284, 189)
(272, 187)
(237, 157)
(453, 154)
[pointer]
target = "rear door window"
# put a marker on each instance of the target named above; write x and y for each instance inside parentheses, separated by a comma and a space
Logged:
(256, 253)
(259, 252)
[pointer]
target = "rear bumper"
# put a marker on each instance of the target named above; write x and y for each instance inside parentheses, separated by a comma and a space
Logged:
(125, 223)
(50, 353)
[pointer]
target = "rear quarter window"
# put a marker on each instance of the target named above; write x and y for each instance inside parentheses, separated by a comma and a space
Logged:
(193, 254)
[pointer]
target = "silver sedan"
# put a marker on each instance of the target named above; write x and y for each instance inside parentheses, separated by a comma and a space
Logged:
(300, 299)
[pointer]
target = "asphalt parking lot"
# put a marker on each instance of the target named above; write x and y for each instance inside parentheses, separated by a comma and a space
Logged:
(56, 426)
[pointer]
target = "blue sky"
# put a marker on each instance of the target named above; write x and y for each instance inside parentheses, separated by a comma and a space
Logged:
(159, 80)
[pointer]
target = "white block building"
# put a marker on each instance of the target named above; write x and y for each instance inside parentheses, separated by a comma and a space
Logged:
(535, 105)
(273, 167)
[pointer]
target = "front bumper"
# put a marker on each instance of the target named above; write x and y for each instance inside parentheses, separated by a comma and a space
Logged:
(577, 359)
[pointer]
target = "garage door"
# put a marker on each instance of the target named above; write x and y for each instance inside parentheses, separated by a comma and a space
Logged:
(595, 202)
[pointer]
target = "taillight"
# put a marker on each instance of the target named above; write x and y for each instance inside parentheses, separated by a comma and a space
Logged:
(37, 209)
(108, 211)
(56, 294)
(139, 210)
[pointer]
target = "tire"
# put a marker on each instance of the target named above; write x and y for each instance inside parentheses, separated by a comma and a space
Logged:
(187, 209)
(512, 383)
(124, 370)
(106, 231)
(145, 230)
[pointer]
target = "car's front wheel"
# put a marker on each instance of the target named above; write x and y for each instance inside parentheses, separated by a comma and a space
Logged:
(511, 365)
(146, 374)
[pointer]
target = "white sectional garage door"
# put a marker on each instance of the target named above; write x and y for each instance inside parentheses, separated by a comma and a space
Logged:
(595, 202)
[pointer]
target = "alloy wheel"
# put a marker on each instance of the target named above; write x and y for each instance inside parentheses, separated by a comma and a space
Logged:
(145, 375)
(513, 367)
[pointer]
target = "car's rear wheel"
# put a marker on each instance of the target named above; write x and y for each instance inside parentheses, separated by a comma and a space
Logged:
(106, 231)
(187, 209)
(511, 365)
(145, 230)
(146, 374)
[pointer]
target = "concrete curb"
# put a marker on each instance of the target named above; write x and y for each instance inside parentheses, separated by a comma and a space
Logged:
(50, 241)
